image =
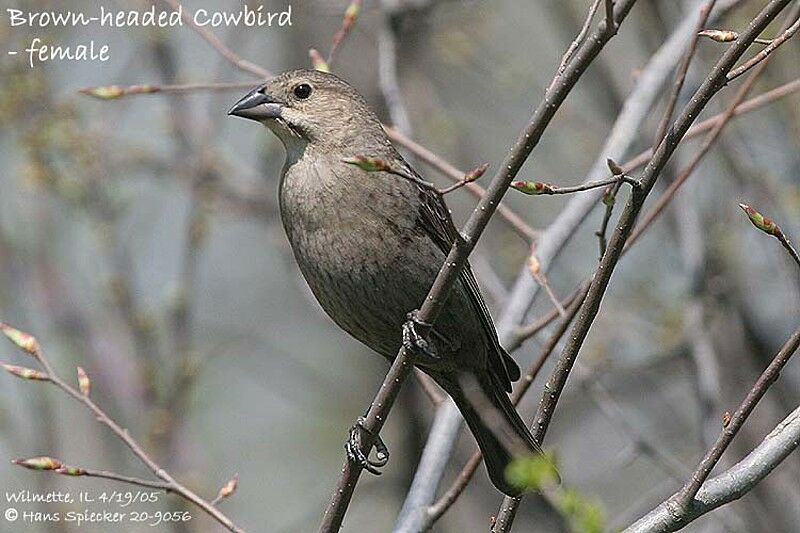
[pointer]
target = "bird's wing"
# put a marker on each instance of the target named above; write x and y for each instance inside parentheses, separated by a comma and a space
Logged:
(436, 219)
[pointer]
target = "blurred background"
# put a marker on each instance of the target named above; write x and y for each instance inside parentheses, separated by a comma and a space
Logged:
(140, 239)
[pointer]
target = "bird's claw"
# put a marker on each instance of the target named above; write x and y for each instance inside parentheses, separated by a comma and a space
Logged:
(355, 455)
(415, 343)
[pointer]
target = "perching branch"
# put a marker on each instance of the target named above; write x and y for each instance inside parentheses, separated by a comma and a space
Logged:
(456, 259)
(29, 344)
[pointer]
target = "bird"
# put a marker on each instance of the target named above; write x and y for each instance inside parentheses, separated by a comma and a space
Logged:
(369, 245)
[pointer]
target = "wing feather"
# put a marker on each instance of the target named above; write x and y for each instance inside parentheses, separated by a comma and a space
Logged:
(435, 218)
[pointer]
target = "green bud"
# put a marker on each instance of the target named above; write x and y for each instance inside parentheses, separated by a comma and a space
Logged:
(70, 470)
(720, 36)
(23, 340)
(767, 225)
(26, 373)
(84, 383)
(532, 187)
(38, 463)
(370, 164)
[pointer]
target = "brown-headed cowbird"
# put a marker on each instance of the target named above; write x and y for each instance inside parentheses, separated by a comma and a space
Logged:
(370, 244)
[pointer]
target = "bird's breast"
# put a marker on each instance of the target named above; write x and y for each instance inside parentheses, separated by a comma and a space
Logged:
(359, 247)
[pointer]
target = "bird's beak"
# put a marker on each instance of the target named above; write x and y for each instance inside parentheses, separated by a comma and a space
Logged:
(257, 106)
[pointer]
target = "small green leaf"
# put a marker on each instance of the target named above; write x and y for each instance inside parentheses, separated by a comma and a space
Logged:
(532, 472)
(582, 514)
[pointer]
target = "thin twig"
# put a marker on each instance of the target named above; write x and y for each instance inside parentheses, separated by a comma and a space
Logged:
(729, 485)
(587, 24)
(468, 178)
(542, 280)
(188, 18)
(134, 446)
(524, 333)
(111, 92)
(348, 21)
(763, 54)
(540, 188)
(680, 77)
(105, 474)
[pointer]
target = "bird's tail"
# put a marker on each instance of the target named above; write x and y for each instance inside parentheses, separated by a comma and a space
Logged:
(495, 424)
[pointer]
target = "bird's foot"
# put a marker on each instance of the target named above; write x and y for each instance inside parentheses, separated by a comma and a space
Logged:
(355, 455)
(415, 343)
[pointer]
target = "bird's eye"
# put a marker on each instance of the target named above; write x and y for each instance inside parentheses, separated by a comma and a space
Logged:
(302, 91)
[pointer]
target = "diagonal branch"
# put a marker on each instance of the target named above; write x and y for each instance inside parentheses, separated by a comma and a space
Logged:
(624, 133)
(715, 81)
(731, 484)
(680, 78)
(763, 54)
(684, 499)
(188, 18)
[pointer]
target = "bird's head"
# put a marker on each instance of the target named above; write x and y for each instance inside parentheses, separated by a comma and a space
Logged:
(311, 107)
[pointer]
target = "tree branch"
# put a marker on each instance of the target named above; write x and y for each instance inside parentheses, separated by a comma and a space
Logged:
(680, 77)
(763, 54)
(683, 501)
(32, 347)
(555, 385)
(188, 18)
(729, 485)
(624, 133)
(456, 259)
